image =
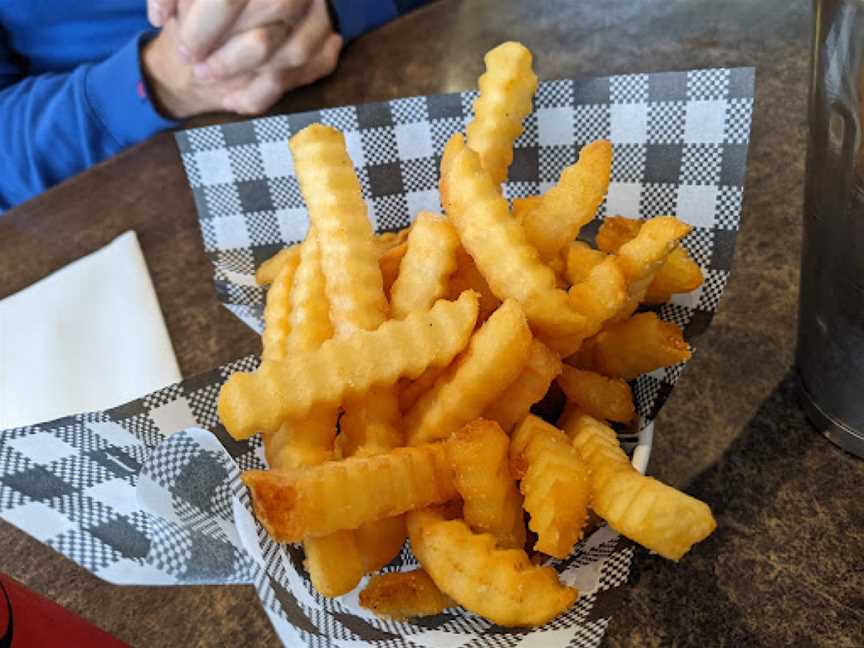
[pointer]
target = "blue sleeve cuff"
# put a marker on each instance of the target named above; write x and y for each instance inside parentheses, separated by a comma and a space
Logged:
(117, 94)
(356, 17)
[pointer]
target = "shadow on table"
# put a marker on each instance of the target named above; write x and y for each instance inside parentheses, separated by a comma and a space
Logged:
(685, 604)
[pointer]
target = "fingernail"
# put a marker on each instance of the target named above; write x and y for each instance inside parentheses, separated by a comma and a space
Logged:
(158, 14)
(202, 72)
(185, 54)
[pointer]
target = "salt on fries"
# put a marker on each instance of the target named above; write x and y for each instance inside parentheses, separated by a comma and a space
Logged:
(434, 343)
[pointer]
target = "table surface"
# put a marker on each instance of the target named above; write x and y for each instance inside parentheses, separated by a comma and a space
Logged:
(785, 565)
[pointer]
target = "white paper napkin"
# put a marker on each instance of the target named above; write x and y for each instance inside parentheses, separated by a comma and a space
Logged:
(87, 337)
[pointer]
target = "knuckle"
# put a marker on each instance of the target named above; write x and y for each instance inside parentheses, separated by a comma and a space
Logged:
(261, 42)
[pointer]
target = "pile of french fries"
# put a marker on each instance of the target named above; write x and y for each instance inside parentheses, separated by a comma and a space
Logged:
(399, 370)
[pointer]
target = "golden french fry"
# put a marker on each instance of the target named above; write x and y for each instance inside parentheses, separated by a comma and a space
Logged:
(332, 496)
(389, 263)
(598, 395)
(641, 508)
(602, 294)
(615, 231)
(338, 214)
(346, 367)
(426, 266)
(524, 206)
(380, 541)
(581, 259)
(497, 244)
(402, 595)
(571, 203)
(371, 423)
(386, 241)
(478, 455)
(288, 257)
(643, 255)
(499, 584)
(506, 91)
(678, 273)
(334, 563)
(468, 277)
(309, 318)
(277, 309)
(309, 440)
(635, 346)
(530, 386)
(554, 482)
(494, 357)
(411, 390)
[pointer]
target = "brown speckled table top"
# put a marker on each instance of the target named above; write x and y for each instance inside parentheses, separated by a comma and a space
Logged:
(786, 565)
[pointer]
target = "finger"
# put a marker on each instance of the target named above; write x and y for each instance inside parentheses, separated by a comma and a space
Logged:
(306, 40)
(242, 53)
(159, 11)
(261, 12)
(204, 24)
(323, 64)
(264, 90)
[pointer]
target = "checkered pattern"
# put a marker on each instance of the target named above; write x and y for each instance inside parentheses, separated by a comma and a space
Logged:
(149, 492)
(679, 148)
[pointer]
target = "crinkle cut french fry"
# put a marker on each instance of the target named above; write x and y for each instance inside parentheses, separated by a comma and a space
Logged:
(346, 367)
(530, 386)
(371, 423)
(277, 309)
(426, 266)
(615, 231)
(308, 440)
(310, 313)
(403, 595)
(678, 274)
(506, 91)
(286, 257)
(597, 395)
(571, 203)
(494, 357)
(389, 263)
(524, 206)
(332, 496)
(635, 346)
(334, 562)
(388, 240)
(411, 390)
(602, 294)
(499, 584)
(497, 244)
(581, 259)
(641, 508)
(302, 442)
(643, 255)
(555, 485)
(338, 213)
(468, 277)
(479, 457)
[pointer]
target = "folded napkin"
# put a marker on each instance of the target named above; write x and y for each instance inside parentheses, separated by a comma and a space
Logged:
(87, 337)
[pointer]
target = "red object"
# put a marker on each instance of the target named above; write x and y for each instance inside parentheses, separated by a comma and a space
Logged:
(28, 620)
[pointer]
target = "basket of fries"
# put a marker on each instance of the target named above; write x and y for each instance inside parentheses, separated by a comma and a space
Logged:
(445, 437)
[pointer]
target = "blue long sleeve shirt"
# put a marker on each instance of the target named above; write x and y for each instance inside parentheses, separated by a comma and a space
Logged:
(72, 91)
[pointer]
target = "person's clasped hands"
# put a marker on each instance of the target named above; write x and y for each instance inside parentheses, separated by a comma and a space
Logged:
(235, 55)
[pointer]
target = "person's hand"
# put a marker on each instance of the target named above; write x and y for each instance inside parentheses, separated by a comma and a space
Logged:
(274, 45)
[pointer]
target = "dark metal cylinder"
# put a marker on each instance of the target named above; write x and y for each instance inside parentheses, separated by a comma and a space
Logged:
(830, 353)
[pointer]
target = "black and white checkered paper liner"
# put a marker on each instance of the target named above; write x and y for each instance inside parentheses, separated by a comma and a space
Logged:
(111, 493)
(679, 147)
